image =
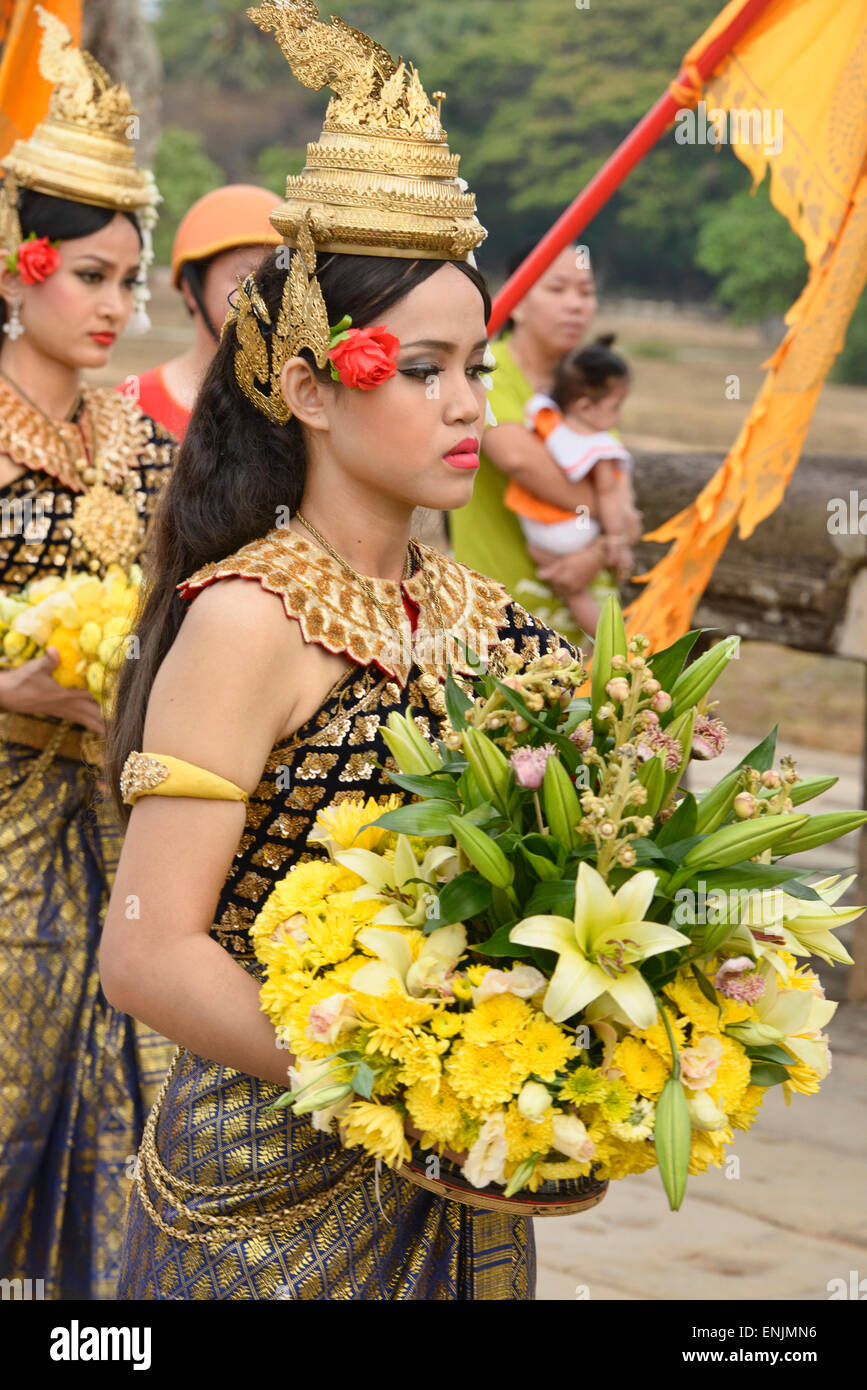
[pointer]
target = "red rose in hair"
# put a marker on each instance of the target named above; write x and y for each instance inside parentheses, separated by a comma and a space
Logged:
(37, 259)
(364, 357)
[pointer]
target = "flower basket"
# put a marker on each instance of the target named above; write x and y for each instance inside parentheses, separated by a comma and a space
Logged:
(563, 1197)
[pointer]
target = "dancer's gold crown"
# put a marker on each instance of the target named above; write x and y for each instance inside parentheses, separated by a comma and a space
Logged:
(380, 181)
(83, 150)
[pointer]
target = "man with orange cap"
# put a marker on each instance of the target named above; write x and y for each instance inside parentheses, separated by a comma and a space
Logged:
(220, 241)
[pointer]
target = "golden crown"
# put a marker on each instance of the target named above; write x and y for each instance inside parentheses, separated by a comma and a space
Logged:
(83, 149)
(380, 181)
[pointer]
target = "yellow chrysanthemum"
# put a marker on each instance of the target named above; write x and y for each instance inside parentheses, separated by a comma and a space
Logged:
(618, 1101)
(701, 1013)
(584, 1086)
(637, 1126)
(559, 1172)
(542, 1049)
(657, 1037)
(280, 990)
(481, 1074)
(744, 1116)
(421, 1059)
(343, 822)
(476, 973)
(378, 1129)
(341, 974)
(802, 1079)
(446, 1024)
(394, 1017)
(304, 889)
(525, 1137)
(643, 1069)
(388, 1078)
(706, 1147)
(438, 1113)
(732, 1076)
(499, 1019)
(618, 1159)
(467, 1132)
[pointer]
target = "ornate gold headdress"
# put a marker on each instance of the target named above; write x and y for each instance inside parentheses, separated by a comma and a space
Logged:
(379, 181)
(83, 150)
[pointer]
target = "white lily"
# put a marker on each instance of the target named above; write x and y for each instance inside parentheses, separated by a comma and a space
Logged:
(802, 926)
(423, 978)
(406, 886)
(601, 945)
(794, 1018)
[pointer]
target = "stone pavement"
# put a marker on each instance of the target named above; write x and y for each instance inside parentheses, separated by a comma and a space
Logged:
(791, 1215)
(790, 1218)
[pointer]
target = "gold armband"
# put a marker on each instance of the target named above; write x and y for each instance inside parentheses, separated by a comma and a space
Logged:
(159, 774)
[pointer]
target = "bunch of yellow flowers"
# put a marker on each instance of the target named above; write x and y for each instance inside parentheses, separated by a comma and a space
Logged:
(87, 620)
(393, 1027)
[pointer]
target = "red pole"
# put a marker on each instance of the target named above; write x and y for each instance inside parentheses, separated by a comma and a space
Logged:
(609, 178)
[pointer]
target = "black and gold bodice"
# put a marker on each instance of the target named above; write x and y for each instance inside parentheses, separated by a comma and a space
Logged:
(51, 517)
(334, 756)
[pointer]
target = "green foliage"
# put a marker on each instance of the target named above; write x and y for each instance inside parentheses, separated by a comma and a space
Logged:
(275, 162)
(183, 173)
(758, 260)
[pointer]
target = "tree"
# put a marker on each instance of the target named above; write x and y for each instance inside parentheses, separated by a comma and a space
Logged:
(183, 173)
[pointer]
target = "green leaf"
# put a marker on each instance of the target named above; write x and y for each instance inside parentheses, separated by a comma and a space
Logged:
(556, 898)
(762, 756)
(667, 665)
(467, 895)
(716, 804)
(425, 818)
(771, 1053)
(680, 826)
(540, 864)
(705, 986)
(437, 785)
(768, 1074)
(363, 1080)
(819, 830)
(457, 703)
(500, 945)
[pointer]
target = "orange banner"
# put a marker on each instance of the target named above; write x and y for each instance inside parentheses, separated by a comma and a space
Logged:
(24, 93)
(795, 81)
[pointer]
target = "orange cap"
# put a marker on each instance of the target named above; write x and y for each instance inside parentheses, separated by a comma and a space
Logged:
(237, 215)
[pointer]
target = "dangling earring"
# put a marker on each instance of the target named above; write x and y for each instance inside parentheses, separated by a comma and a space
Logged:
(13, 325)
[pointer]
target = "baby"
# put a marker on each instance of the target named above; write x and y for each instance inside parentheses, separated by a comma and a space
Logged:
(590, 387)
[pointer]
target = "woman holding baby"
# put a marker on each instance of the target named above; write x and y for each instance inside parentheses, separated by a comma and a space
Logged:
(550, 480)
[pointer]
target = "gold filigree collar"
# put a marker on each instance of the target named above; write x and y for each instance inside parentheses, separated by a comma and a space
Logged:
(334, 611)
(30, 440)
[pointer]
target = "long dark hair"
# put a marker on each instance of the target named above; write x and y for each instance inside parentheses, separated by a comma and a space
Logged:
(60, 219)
(235, 469)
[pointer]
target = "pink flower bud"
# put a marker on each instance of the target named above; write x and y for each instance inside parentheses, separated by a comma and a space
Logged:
(744, 805)
(651, 686)
(618, 689)
(771, 779)
(661, 702)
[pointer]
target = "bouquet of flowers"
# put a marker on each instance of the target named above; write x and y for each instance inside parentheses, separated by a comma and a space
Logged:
(552, 963)
(87, 619)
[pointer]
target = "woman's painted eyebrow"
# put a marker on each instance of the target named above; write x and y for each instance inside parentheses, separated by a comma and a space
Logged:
(104, 262)
(442, 344)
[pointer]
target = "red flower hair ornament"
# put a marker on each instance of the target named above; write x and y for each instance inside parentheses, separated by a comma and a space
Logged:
(362, 357)
(35, 259)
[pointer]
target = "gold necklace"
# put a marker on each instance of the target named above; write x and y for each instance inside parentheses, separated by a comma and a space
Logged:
(105, 524)
(335, 555)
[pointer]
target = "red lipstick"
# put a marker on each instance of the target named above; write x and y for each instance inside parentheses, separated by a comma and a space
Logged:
(464, 454)
(104, 339)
